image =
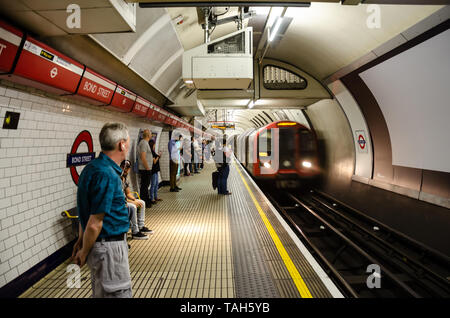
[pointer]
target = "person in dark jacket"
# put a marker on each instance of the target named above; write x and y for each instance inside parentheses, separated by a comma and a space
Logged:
(155, 170)
(223, 166)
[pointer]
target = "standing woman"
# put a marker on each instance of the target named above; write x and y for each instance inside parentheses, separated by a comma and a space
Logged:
(155, 171)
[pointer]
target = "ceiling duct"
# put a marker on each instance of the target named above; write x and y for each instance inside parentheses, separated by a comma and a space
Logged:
(225, 63)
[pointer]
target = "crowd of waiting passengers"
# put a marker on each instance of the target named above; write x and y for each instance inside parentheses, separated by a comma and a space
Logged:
(192, 154)
(106, 206)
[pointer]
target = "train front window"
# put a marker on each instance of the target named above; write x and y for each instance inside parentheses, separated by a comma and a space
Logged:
(307, 143)
(287, 140)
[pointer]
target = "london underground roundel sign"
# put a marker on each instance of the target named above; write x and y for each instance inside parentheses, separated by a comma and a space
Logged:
(75, 159)
(361, 142)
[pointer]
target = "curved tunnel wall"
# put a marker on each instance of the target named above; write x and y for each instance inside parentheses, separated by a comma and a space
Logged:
(405, 169)
(407, 213)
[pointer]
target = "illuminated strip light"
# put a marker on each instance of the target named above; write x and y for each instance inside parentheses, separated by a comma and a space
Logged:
(99, 80)
(275, 29)
(36, 50)
(10, 37)
(286, 124)
(143, 102)
(125, 93)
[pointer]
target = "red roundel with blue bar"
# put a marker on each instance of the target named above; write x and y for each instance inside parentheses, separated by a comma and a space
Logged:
(75, 159)
(361, 141)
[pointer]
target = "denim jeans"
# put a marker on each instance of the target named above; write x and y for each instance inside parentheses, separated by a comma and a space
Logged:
(154, 187)
(137, 216)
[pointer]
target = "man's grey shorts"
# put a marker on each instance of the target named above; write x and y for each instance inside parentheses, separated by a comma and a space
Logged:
(110, 270)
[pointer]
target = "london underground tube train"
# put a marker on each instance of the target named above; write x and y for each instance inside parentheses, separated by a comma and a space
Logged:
(283, 151)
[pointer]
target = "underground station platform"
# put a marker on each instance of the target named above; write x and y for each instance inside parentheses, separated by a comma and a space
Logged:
(207, 245)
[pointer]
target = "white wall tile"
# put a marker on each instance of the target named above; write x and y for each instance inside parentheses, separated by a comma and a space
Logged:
(35, 185)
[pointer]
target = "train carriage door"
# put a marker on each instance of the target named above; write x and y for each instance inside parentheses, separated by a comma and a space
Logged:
(250, 151)
(268, 145)
(245, 152)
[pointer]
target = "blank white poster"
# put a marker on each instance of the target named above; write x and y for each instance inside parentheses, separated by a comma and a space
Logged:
(413, 92)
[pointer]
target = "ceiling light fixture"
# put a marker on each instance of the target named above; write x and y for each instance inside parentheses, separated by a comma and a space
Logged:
(273, 33)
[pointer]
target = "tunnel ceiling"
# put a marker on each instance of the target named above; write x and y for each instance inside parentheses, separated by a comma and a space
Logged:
(320, 40)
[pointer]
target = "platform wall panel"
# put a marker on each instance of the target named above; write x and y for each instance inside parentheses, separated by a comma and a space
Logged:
(36, 186)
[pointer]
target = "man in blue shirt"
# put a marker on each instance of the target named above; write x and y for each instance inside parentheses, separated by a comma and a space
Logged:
(103, 216)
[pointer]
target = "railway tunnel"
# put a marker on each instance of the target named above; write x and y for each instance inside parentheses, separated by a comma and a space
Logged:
(367, 79)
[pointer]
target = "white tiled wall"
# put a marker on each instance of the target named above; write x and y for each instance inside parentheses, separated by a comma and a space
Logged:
(35, 185)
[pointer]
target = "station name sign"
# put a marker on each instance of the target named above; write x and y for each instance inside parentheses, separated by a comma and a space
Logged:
(79, 159)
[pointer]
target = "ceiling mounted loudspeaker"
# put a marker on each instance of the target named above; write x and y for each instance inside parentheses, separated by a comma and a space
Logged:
(225, 63)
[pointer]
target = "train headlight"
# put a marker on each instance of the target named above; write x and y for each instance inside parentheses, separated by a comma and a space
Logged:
(306, 164)
(266, 164)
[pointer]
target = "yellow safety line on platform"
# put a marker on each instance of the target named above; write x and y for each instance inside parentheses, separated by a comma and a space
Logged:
(296, 277)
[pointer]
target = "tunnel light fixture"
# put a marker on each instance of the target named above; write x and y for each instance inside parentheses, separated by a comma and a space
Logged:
(306, 164)
(189, 81)
(273, 32)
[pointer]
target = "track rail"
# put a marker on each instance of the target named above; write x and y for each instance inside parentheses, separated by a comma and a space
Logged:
(345, 242)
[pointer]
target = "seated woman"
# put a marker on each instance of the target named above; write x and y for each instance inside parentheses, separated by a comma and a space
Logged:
(138, 230)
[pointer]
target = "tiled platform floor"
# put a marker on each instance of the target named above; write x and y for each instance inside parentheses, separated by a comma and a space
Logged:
(189, 254)
(204, 246)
